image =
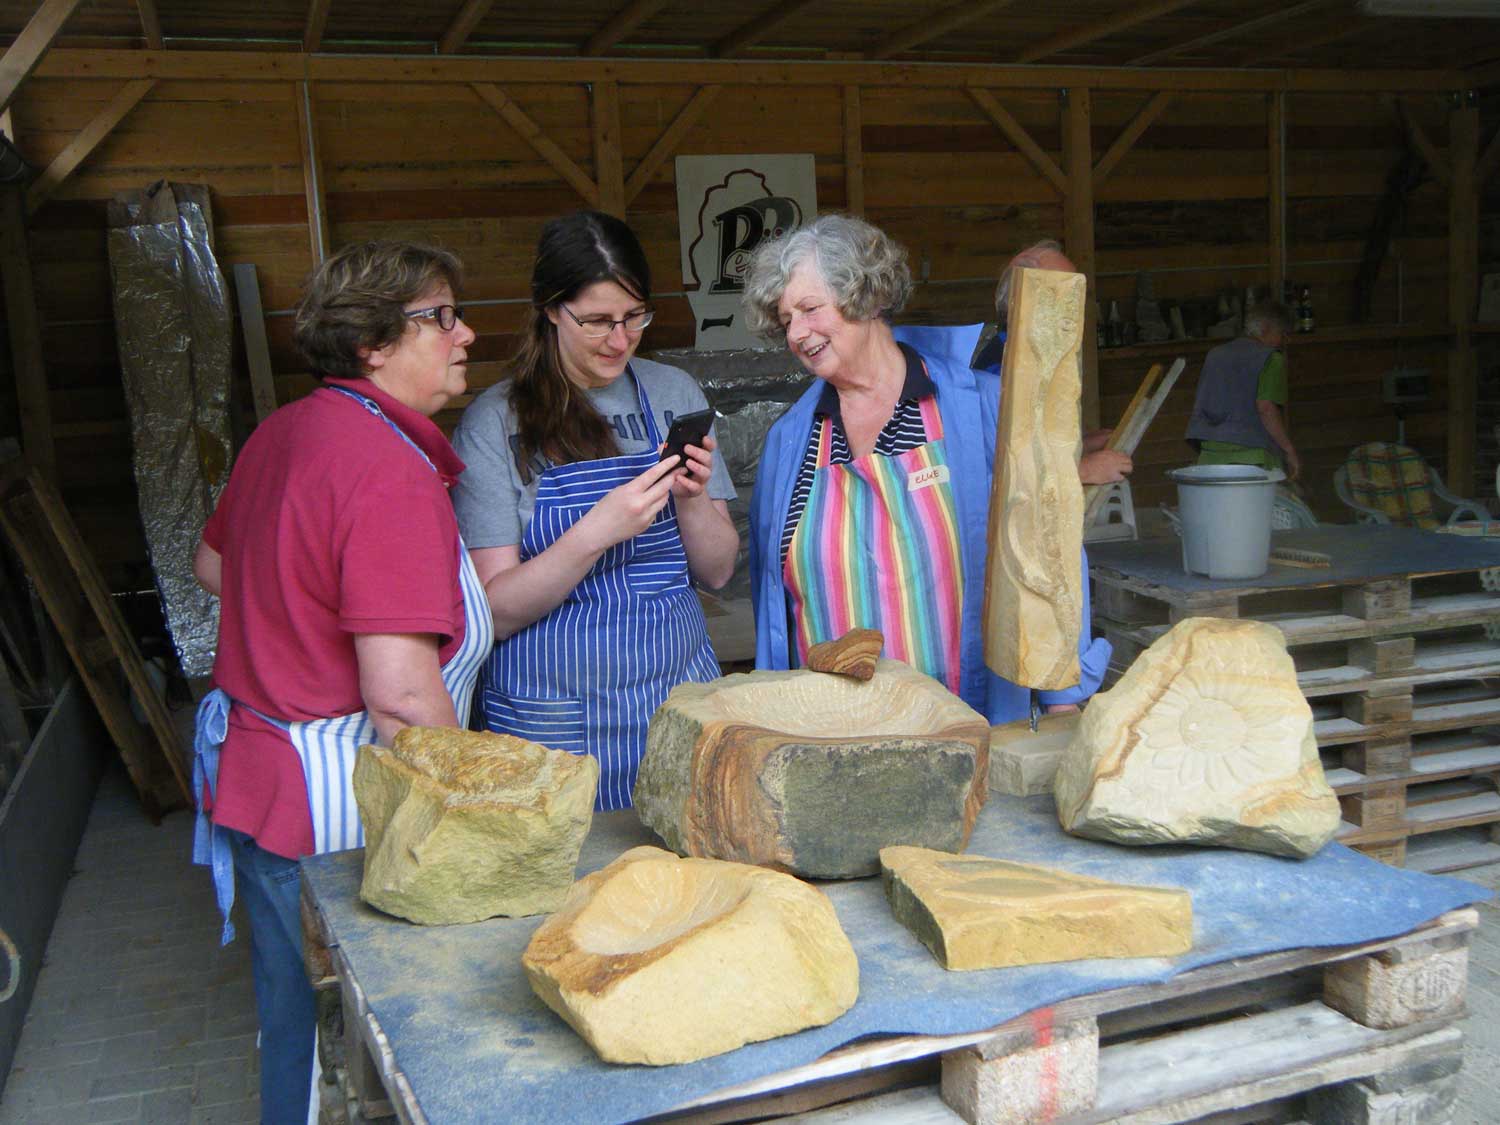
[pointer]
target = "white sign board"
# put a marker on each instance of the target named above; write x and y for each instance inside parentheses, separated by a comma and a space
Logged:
(726, 206)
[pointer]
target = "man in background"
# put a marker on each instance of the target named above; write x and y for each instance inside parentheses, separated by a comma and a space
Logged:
(1239, 415)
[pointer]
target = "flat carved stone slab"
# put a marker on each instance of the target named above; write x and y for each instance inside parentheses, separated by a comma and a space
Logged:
(854, 654)
(978, 913)
(462, 826)
(1206, 739)
(813, 774)
(659, 960)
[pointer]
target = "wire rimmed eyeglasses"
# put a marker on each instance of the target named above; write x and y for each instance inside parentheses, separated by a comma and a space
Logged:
(445, 315)
(597, 327)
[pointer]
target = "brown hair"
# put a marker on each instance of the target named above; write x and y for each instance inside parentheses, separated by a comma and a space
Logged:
(553, 418)
(357, 298)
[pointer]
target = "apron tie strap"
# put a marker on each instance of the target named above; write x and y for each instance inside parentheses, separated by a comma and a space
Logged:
(210, 842)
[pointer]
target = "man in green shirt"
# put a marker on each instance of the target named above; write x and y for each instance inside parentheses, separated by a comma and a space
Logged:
(1239, 415)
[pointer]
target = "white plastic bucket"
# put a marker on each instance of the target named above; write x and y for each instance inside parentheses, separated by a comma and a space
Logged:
(1226, 518)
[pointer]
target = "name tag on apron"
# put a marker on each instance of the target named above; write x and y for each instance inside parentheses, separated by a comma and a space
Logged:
(926, 478)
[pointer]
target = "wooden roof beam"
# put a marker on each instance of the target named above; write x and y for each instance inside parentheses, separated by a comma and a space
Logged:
(626, 20)
(1019, 137)
(666, 145)
(1340, 27)
(89, 137)
(1101, 29)
(1130, 134)
(1269, 19)
(28, 48)
(543, 145)
(753, 31)
(924, 31)
(151, 25)
(312, 29)
(463, 25)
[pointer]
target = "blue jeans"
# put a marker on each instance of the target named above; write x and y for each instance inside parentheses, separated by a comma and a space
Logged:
(270, 888)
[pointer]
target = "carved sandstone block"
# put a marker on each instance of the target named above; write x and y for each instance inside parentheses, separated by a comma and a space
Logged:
(660, 960)
(854, 654)
(1033, 589)
(461, 826)
(978, 913)
(1206, 739)
(813, 774)
(1023, 761)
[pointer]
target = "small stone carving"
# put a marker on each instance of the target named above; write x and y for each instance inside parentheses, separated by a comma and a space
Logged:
(1206, 739)
(811, 773)
(461, 826)
(660, 960)
(1150, 327)
(854, 654)
(978, 913)
(1033, 598)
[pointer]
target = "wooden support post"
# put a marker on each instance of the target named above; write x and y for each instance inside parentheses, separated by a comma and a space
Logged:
(1102, 28)
(626, 20)
(313, 26)
(1131, 133)
(608, 168)
(854, 153)
(32, 403)
(150, 25)
(312, 172)
(1463, 291)
(1019, 137)
(257, 352)
(542, 144)
(468, 18)
(666, 145)
(1078, 236)
(27, 49)
(65, 163)
(1437, 163)
(757, 27)
(931, 26)
(1276, 196)
(1039, 1071)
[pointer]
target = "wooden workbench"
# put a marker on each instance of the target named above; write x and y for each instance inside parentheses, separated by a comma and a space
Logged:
(1394, 652)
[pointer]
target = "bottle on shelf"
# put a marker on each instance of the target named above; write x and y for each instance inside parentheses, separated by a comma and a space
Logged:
(1305, 321)
(1114, 332)
(1101, 338)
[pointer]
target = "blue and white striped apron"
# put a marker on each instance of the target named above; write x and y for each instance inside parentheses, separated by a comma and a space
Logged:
(587, 676)
(328, 747)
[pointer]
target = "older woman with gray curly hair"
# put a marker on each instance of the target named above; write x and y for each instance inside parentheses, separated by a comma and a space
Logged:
(872, 498)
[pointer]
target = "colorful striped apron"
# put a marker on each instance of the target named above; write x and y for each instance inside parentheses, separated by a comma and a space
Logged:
(877, 547)
(587, 676)
(328, 747)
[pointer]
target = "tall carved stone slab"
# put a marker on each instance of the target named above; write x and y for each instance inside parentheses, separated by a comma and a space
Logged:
(461, 826)
(1033, 590)
(811, 773)
(661, 960)
(1206, 739)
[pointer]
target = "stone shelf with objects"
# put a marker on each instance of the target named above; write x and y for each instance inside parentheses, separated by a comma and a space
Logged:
(1398, 665)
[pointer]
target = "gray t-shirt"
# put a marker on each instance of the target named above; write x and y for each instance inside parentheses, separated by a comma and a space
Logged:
(493, 505)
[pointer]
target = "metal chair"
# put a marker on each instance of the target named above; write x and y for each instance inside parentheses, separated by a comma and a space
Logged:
(1386, 483)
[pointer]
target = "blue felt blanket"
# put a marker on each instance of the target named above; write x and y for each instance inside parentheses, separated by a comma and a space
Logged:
(478, 1046)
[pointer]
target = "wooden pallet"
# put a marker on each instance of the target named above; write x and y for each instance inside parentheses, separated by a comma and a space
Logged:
(1316, 1033)
(73, 591)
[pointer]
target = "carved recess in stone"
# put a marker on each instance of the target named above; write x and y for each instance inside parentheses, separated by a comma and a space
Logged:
(1033, 591)
(1206, 739)
(813, 774)
(461, 826)
(978, 913)
(854, 654)
(660, 960)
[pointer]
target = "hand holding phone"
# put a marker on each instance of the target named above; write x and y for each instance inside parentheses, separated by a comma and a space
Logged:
(687, 429)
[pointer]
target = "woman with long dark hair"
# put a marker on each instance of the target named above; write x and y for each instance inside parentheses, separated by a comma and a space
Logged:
(589, 544)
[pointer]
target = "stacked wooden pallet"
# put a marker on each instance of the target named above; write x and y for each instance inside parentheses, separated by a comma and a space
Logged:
(1401, 677)
(1329, 1035)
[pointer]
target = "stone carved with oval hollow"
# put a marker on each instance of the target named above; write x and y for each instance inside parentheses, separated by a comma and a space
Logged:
(462, 826)
(1206, 739)
(811, 773)
(657, 959)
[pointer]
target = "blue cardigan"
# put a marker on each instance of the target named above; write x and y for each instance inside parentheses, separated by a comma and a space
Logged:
(969, 404)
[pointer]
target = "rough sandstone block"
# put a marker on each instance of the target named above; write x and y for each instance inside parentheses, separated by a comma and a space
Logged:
(854, 654)
(1206, 739)
(1043, 1073)
(659, 960)
(1023, 762)
(813, 774)
(978, 913)
(461, 826)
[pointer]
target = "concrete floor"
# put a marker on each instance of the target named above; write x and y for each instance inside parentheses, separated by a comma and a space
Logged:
(140, 1016)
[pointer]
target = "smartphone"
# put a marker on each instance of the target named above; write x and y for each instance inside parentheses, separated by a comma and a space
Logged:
(687, 429)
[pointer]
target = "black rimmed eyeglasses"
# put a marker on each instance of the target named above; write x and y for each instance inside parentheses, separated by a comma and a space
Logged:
(597, 327)
(445, 315)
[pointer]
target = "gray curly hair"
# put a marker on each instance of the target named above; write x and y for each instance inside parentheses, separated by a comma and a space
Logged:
(863, 267)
